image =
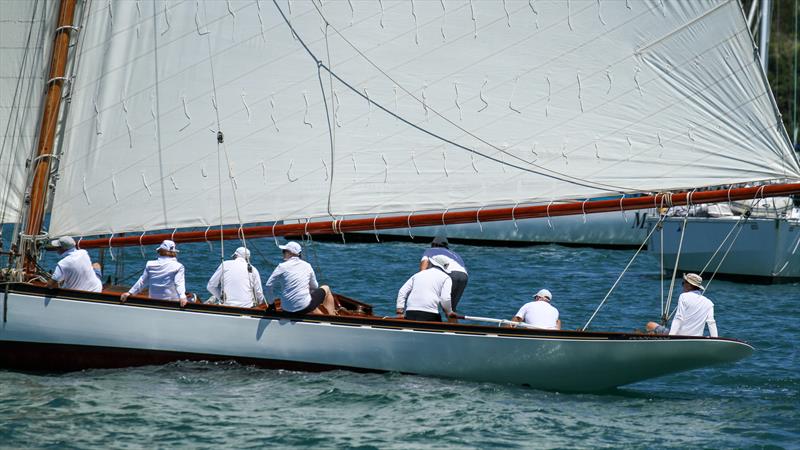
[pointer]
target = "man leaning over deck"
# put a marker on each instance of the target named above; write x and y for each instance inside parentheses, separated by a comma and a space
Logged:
(423, 293)
(164, 277)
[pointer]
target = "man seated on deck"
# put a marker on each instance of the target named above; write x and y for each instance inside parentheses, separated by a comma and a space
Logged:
(301, 292)
(456, 268)
(164, 277)
(423, 293)
(237, 282)
(539, 313)
(75, 269)
(693, 313)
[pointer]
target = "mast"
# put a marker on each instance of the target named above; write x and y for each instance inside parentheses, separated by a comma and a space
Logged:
(765, 31)
(47, 131)
(455, 217)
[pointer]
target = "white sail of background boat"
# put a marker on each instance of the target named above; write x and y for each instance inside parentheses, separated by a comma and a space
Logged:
(226, 114)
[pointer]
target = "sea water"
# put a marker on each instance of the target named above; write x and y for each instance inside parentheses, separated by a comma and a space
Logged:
(752, 403)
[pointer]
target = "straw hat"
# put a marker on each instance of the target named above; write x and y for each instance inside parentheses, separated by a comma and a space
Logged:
(694, 279)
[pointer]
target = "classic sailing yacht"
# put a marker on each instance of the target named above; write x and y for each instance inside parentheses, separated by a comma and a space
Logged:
(220, 115)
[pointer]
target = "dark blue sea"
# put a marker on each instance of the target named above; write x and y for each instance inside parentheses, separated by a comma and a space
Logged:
(754, 403)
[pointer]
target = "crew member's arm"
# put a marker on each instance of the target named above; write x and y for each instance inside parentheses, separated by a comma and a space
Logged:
(312, 282)
(180, 284)
(255, 281)
(446, 301)
(276, 274)
(677, 321)
(136, 288)
(402, 296)
(215, 282)
(57, 277)
(712, 324)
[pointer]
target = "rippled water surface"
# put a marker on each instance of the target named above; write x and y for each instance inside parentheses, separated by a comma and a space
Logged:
(752, 403)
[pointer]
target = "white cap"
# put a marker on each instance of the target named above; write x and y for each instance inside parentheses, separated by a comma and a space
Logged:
(292, 247)
(168, 246)
(242, 252)
(545, 294)
(65, 242)
(440, 261)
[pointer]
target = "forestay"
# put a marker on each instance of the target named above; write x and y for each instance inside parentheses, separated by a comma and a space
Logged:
(26, 33)
(432, 106)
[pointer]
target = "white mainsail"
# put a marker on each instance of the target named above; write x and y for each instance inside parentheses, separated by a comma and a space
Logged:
(26, 33)
(432, 105)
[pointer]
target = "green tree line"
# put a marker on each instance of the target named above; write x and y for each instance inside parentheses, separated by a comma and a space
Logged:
(782, 71)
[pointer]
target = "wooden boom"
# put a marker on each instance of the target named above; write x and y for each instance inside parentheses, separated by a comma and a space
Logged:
(454, 217)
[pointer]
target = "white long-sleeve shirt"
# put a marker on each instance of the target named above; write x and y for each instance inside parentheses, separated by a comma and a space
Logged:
(298, 279)
(693, 313)
(74, 271)
(425, 291)
(240, 285)
(165, 279)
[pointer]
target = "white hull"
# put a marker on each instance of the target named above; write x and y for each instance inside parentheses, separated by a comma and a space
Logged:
(763, 249)
(37, 328)
(613, 229)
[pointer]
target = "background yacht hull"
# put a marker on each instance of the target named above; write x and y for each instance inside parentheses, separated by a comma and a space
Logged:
(57, 333)
(763, 251)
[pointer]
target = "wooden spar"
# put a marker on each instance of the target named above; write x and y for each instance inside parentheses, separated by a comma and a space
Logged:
(455, 217)
(47, 129)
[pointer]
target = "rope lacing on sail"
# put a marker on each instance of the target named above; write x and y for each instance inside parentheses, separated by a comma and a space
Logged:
(321, 65)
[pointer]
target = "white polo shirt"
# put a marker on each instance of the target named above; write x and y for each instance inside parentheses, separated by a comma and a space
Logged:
(425, 291)
(298, 279)
(240, 285)
(165, 279)
(693, 313)
(74, 271)
(539, 314)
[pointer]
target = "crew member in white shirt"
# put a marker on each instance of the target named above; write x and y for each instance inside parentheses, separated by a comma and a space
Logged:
(427, 290)
(539, 313)
(694, 311)
(74, 270)
(301, 292)
(164, 278)
(237, 282)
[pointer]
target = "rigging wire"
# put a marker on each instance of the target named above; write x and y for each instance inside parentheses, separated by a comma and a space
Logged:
(619, 278)
(220, 139)
(665, 311)
(224, 151)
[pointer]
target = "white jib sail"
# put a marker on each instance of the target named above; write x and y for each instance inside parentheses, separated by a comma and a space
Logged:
(26, 37)
(433, 105)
